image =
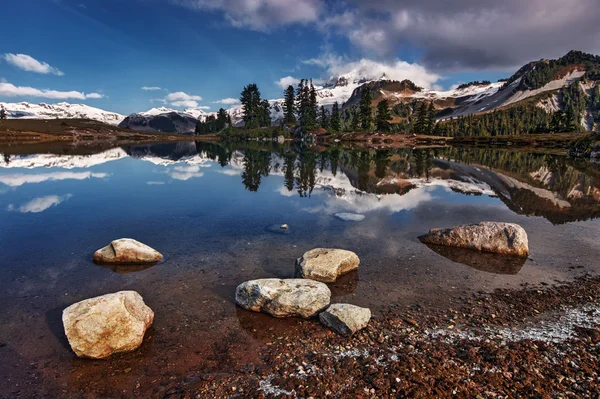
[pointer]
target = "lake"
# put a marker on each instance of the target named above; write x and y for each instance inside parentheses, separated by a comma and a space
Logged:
(214, 211)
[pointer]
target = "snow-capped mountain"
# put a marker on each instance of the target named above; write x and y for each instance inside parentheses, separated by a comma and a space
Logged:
(193, 112)
(25, 110)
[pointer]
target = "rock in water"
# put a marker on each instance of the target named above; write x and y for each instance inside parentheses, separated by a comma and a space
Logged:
(112, 323)
(496, 237)
(345, 319)
(326, 264)
(127, 251)
(350, 217)
(283, 298)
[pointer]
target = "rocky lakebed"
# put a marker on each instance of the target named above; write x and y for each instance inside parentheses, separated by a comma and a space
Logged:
(435, 279)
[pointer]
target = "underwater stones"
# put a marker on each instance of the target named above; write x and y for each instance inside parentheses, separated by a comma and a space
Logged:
(495, 237)
(345, 319)
(102, 326)
(127, 251)
(283, 298)
(326, 264)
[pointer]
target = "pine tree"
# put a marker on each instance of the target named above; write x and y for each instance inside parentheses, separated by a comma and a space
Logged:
(335, 122)
(365, 112)
(430, 118)
(289, 105)
(265, 113)
(2, 113)
(324, 119)
(420, 126)
(222, 119)
(383, 117)
(251, 103)
(354, 121)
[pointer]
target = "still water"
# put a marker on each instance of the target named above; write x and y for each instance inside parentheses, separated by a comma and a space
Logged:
(214, 212)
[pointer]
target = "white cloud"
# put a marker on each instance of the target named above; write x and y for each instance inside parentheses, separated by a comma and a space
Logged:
(260, 15)
(94, 95)
(10, 90)
(181, 99)
(371, 69)
(228, 101)
(286, 81)
(181, 96)
(18, 179)
(155, 183)
(185, 103)
(30, 64)
(40, 204)
(150, 88)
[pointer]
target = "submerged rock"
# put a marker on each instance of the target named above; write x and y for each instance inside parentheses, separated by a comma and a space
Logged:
(326, 264)
(495, 237)
(283, 298)
(350, 217)
(345, 319)
(127, 251)
(112, 323)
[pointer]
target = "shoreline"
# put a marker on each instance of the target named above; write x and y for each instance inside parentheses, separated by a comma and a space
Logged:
(533, 341)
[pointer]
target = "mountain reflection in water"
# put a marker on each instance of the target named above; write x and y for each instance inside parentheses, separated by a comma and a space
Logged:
(550, 186)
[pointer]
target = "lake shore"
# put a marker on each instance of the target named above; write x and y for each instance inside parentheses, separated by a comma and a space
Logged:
(535, 342)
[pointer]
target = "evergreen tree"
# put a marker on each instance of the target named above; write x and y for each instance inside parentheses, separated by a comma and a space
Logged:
(420, 126)
(2, 113)
(383, 117)
(365, 112)
(289, 106)
(265, 114)
(335, 122)
(354, 121)
(430, 118)
(222, 119)
(251, 103)
(324, 119)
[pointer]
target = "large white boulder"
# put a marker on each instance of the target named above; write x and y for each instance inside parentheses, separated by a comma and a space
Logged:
(283, 298)
(127, 251)
(495, 237)
(345, 319)
(326, 264)
(99, 327)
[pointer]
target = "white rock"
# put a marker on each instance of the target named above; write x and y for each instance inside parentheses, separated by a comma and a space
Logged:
(112, 323)
(283, 298)
(127, 251)
(496, 237)
(350, 217)
(345, 319)
(326, 264)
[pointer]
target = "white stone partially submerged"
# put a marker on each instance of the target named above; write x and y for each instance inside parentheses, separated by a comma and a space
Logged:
(127, 251)
(345, 319)
(350, 217)
(326, 264)
(283, 298)
(99, 327)
(495, 237)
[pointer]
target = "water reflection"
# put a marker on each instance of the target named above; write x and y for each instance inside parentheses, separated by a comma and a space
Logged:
(546, 185)
(486, 262)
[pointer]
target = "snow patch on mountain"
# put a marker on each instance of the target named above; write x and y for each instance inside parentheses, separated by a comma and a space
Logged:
(63, 110)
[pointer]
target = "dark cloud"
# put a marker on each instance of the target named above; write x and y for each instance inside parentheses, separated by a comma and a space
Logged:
(476, 34)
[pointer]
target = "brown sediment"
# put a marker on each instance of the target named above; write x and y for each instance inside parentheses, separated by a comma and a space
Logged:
(406, 353)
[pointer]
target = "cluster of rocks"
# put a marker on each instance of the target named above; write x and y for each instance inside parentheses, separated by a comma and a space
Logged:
(307, 295)
(102, 326)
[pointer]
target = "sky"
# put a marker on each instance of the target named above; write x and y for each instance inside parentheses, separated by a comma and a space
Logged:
(131, 55)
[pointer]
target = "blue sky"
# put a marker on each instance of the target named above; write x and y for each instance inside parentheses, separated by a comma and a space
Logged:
(199, 51)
